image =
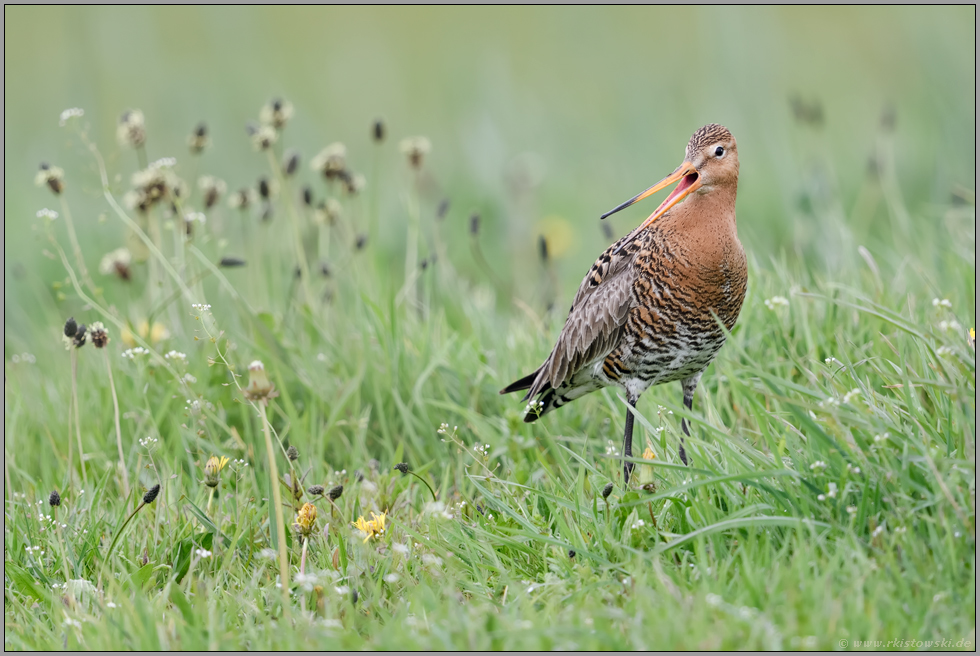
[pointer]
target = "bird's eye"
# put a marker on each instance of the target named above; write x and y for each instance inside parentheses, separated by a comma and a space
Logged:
(719, 152)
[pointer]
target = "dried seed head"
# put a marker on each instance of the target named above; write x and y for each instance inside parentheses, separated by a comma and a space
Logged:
(79, 339)
(199, 139)
(292, 453)
(402, 467)
(361, 241)
(153, 184)
(116, 262)
(606, 491)
(331, 162)
(263, 136)
(543, 248)
(354, 183)
(212, 189)
(358, 476)
(607, 230)
(151, 494)
(55, 499)
(259, 385)
(290, 162)
(315, 490)
(475, 224)
(308, 196)
(571, 553)
(443, 209)
(131, 130)
(70, 327)
(416, 148)
(325, 269)
(230, 262)
(52, 176)
(328, 212)
(243, 199)
(276, 113)
(335, 492)
(378, 130)
(268, 189)
(100, 336)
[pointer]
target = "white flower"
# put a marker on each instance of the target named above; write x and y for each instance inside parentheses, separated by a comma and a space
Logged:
(847, 397)
(47, 214)
(832, 490)
(639, 524)
(941, 303)
(176, 355)
(878, 531)
(199, 217)
(851, 510)
(776, 301)
(402, 549)
(946, 326)
(204, 307)
(268, 554)
(391, 578)
(132, 353)
(342, 589)
(66, 115)
(202, 553)
(819, 464)
(189, 379)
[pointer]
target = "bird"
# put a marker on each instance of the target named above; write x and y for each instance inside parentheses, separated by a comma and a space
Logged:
(658, 304)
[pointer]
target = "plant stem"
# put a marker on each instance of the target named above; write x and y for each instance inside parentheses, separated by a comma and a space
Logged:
(115, 539)
(115, 410)
(83, 272)
(277, 503)
(426, 484)
(78, 420)
(302, 560)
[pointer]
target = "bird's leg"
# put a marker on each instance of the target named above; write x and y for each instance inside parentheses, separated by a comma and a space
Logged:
(628, 440)
(689, 385)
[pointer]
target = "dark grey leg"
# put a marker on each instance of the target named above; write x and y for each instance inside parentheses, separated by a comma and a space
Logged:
(689, 385)
(628, 442)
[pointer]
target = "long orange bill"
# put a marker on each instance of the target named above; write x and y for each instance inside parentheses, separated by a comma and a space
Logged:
(689, 180)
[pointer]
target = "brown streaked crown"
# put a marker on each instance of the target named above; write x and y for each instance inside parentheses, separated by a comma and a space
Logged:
(706, 136)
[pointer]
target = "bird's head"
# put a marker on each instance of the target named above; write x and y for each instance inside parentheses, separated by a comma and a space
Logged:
(710, 162)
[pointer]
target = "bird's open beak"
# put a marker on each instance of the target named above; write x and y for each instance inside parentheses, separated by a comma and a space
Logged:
(689, 179)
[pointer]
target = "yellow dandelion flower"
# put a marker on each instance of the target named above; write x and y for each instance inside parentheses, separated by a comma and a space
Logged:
(373, 528)
(973, 338)
(212, 470)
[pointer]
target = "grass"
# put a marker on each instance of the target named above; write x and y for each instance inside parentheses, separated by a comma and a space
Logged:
(830, 497)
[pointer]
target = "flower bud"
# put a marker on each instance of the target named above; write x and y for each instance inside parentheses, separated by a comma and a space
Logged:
(259, 385)
(335, 492)
(55, 499)
(606, 491)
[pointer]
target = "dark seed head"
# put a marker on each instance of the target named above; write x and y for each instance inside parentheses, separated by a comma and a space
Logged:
(290, 162)
(378, 130)
(358, 476)
(55, 499)
(308, 196)
(571, 553)
(100, 338)
(315, 490)
(70, 327)
(264, 189)
(361, 241)
(475, 224)
(292, 453)
(79, 339)
(606, 491)
(402, 467)
(442, 209)
(353, 596)
(335, 492)
(201, 130)
(231, 262)
(543, 248)
(151, 494)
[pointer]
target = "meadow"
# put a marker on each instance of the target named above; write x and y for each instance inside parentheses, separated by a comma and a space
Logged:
(309, 247)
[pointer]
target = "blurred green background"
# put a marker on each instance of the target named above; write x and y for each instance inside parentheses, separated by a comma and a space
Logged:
(533, 112)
